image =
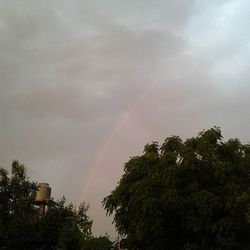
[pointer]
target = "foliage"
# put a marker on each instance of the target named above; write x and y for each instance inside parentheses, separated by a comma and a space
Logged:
(97, 243)
(17, 194)
(64, 226)
(23, 227)
(185, 195)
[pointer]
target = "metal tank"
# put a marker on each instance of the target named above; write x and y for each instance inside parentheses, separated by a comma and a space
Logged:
(43, 193)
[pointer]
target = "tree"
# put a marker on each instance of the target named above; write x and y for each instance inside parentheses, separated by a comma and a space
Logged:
(17, 194)
(64, 226)
(185, 195)
(97, 243)
(23, 227)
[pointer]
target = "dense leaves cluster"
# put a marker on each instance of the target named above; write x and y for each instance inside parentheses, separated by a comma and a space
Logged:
(185, 195)
(23, 227)
(97, 243)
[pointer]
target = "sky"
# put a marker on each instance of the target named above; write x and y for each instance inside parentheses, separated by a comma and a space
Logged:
(85, 84)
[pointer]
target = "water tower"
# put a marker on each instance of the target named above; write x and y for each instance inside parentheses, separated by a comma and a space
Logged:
(43, 196)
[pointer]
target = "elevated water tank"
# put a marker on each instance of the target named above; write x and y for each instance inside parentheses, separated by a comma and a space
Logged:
(43, 193)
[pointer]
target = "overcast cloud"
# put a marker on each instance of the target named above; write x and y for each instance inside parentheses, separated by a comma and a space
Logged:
(85, 84)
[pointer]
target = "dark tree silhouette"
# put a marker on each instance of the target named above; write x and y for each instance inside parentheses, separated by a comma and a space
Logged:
(185, 195)
(22, 226)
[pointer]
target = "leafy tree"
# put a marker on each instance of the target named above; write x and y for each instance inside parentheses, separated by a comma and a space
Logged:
(97, 243)
(23, 227)
(67, 223)
(17, 194)
(185, 195)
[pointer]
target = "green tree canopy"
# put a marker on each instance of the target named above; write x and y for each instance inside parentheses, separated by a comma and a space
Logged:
(97, 243)
(22, 226)
(185, 195)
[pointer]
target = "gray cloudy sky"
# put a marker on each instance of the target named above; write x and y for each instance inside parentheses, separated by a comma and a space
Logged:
(85, 84)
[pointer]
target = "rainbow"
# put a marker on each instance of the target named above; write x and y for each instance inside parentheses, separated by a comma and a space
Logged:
(94, 166)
